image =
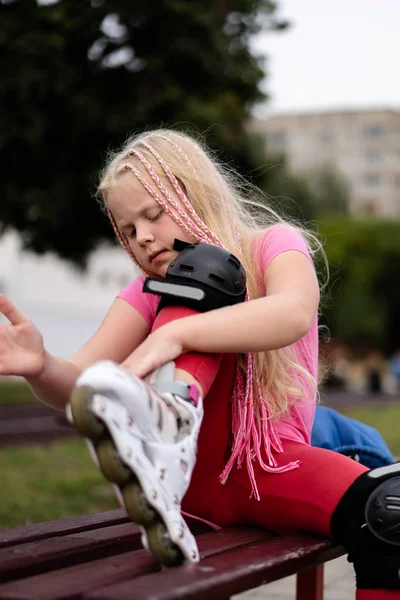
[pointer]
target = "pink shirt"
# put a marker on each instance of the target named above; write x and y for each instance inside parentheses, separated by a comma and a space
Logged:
(280, 238)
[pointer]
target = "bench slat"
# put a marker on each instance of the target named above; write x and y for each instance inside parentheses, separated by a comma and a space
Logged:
(35, 425)
(69, 525)
(38, 531)
(228, 573)
(74, 581)
(26, 411)
(34, 557)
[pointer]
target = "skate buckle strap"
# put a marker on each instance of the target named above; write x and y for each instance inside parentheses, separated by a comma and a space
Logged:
(186, 391)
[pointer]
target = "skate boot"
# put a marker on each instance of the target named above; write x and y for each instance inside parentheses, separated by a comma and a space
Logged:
(143, 437)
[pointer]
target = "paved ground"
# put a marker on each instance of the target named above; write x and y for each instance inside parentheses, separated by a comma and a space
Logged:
(339, 585)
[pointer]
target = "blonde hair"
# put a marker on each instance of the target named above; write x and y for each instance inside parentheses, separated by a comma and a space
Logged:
(235, 212)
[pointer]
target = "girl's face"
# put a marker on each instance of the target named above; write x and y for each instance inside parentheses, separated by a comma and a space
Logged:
(150, 231)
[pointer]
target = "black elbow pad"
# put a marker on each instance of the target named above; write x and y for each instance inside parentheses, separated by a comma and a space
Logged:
(203, 277)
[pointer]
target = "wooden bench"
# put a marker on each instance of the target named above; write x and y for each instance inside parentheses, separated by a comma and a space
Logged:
(33, 424)
(100, 557)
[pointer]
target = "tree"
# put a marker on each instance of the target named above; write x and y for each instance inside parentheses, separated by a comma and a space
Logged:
(330, 190)
(76, 77)
(361, 302)
(307, 196)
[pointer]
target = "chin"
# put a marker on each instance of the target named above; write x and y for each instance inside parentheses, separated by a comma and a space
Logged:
(162, 272)
(159, 274)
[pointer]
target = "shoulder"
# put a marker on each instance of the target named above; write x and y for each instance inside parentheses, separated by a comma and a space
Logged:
(282, 234)
(145, 303)
(136, 285)
(277, 239)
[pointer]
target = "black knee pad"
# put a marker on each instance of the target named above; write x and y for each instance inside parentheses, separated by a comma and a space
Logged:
(202, 277)
(367, 523)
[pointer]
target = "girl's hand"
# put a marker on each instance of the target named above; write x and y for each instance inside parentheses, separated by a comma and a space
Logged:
(21, 344)
(158, 348)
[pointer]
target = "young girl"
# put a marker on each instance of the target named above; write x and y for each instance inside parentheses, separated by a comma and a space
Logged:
(213, 411)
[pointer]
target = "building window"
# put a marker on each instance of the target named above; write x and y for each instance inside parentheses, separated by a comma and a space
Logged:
(397, 181)
(373, 131)
(373, 179)
(374, 156)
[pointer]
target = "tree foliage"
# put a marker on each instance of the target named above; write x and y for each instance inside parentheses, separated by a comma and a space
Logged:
(363, 295)
(77, 77)
(329, 189)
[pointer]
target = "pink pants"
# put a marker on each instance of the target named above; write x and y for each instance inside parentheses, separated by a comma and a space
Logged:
(301, 499)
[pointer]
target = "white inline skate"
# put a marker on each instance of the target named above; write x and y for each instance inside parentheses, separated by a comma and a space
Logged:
(143, 437)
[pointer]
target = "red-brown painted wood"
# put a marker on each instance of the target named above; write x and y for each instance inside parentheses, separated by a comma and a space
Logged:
(26, 411)
(72, 582)
(46, 554)
(310, 584)
(100, 557)
(30, 426)
(228, 573)
(38, 531)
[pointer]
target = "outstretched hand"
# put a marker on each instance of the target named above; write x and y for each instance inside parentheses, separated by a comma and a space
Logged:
(158, 348)
(21, 343)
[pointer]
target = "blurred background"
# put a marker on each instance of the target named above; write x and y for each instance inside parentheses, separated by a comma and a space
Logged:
(302, 97)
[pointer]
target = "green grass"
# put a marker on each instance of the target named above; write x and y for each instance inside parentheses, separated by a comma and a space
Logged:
(16, 392)
(383, 417)
(41, 483)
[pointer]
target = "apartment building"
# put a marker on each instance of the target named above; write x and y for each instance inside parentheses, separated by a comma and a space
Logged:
(363, 145)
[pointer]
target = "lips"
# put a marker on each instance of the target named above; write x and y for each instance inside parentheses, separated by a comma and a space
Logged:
(155, 254)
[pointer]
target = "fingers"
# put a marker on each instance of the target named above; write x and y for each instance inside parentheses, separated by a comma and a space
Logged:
(15, 316)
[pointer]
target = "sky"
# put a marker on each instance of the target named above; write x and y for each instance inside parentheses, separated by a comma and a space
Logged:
(337, 54)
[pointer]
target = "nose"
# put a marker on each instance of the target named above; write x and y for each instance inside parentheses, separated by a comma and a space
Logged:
(144, 234)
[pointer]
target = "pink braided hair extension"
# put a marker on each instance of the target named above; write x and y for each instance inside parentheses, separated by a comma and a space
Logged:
(194, 173)
(121, 237)
(249, 433)
(181, 194)
(180, 150)
(198, 233)
(189, 162)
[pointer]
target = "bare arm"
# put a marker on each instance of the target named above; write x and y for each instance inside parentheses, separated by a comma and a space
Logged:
(55, 382)
(122, 330)
(277, 320)
(50, 378)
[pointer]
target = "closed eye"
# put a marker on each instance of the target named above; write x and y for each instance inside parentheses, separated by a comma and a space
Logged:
(157, 216)
(132, 232)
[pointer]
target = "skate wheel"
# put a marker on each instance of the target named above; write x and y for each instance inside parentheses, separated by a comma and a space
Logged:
(137, 505)
(84, 419)
(162, 547)
(110, 463)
